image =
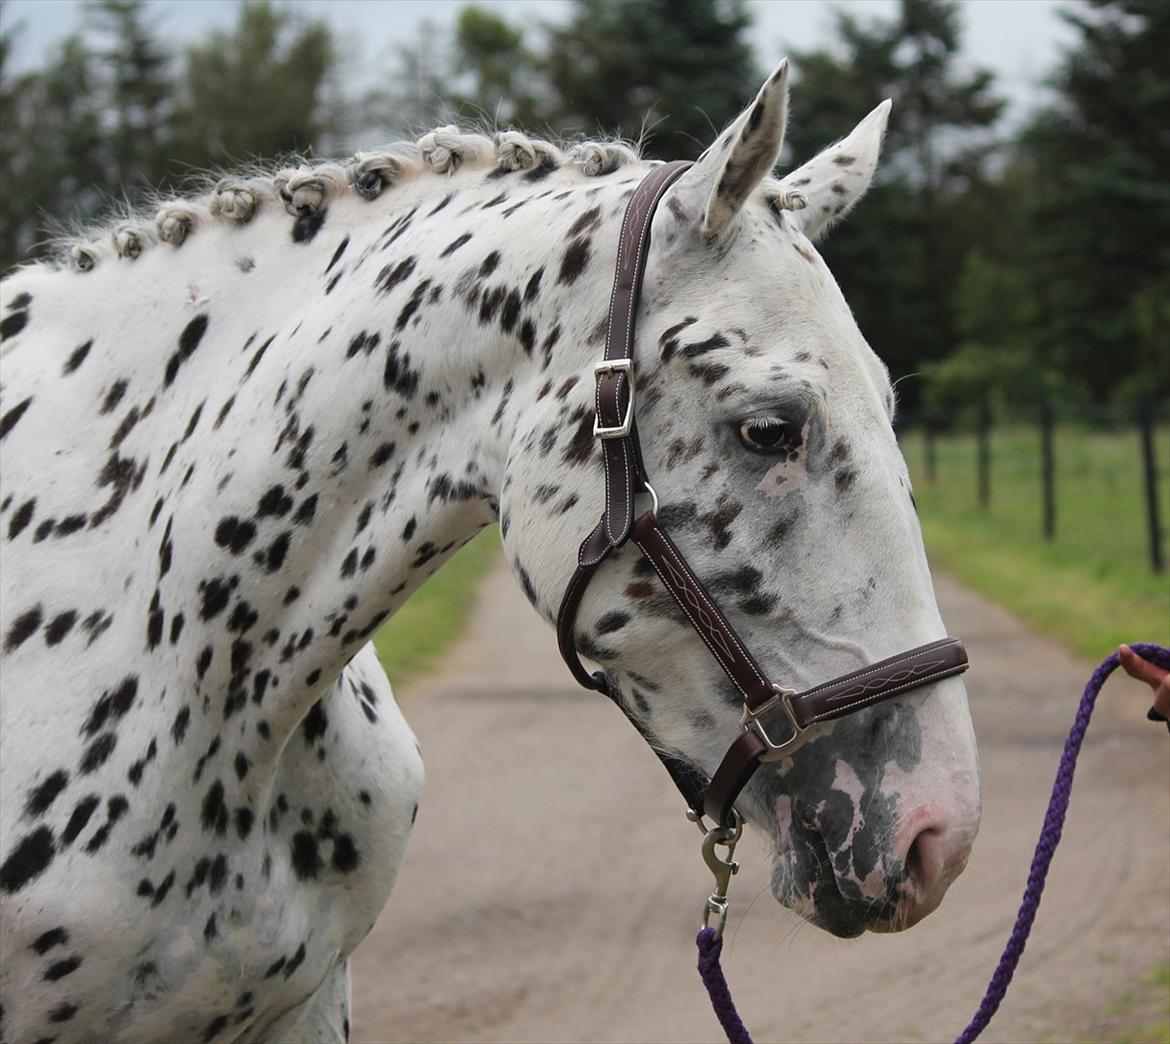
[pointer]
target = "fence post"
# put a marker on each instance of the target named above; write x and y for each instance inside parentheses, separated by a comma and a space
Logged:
(1048, 469)
(1146, 425)
(983, 447)
(928, 431)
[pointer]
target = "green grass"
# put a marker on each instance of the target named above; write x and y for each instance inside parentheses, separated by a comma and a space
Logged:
(423, 629)
(1093, 586)
(1140, 1016)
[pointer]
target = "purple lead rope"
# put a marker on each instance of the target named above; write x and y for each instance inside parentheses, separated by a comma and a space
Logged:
(710, 947)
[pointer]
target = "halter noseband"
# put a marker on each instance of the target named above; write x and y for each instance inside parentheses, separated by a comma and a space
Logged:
(625, 478)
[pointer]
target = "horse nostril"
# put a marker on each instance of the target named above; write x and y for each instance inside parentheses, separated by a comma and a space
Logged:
(930, 863)
(916, 864)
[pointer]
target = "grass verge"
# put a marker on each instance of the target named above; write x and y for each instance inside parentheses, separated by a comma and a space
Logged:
(1140, 1016)
(426, 626)
(1092, 587)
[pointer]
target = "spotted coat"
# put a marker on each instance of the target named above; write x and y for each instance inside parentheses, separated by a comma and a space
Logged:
(236, 441)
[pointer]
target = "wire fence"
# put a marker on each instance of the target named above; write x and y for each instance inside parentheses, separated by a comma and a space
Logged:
(1092, 478)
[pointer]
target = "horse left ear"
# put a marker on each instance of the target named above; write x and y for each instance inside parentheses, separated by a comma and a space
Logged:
(741, 157)
(825, 189)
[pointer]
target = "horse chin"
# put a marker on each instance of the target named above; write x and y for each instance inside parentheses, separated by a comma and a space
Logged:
(820, 901)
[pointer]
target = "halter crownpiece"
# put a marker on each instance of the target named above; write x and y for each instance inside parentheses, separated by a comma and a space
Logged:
(765, 703)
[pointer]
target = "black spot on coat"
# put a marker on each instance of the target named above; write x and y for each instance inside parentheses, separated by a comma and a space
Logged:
(76, 358)
(79, 819)
(306, 861)
(22, 628)
(188, 341)
(573, 263)
(21, 517)
(13, 324)
(28, 860)
(8, 421)
(42, 796)
(307, 226)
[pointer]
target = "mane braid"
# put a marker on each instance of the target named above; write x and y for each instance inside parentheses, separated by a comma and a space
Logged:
(304, 187)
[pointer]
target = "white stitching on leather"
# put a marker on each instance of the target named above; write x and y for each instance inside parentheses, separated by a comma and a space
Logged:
(699, 630)
(694, 624)
(926, 679)
(627, 513)
(710, 605)
(873, 669)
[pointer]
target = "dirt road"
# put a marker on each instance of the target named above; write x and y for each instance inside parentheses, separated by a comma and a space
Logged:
(552, 885)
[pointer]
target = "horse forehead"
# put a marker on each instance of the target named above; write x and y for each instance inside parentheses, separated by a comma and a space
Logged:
(765, 281)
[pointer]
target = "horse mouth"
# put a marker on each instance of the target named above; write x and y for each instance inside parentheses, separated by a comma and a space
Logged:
(804, 881)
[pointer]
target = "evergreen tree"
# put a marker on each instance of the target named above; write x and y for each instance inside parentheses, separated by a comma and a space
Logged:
(15, 235)
(688, 63)
(51, 132)
(256, 90)
(134, 68)
(497, 73)
(1096, 247)
(900, 260)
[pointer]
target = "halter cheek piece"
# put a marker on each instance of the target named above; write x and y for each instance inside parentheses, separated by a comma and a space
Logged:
(765, 702)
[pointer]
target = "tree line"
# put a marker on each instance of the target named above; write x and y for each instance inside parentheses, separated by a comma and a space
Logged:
(988, 261)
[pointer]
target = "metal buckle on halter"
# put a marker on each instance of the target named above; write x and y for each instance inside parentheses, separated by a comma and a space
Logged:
(750, 720)
(618, 431)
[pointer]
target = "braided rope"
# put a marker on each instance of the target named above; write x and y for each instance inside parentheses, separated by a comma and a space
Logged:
(710, 948)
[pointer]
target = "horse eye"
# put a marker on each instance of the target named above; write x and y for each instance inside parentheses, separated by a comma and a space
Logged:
(769, 436)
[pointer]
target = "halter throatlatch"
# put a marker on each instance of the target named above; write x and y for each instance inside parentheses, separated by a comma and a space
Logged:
(776, 720)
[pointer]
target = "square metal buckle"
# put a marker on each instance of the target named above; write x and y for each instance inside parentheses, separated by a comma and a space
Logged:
(750, 720)
(619, 431)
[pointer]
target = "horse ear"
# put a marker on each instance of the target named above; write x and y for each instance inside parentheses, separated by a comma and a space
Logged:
(741, 157)
(831, 182)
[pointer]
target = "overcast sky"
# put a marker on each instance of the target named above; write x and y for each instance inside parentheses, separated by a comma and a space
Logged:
(1018, 39)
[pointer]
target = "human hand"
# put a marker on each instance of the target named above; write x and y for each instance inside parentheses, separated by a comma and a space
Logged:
(1157, 678)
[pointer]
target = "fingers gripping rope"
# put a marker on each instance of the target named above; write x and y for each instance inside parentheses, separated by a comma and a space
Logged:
(710, 947)
(1049, 839)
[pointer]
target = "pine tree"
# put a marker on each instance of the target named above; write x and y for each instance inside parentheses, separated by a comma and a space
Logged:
(54, 172)
(1097, 213)
(134, 68)
(256, 90)
(617, 67)
(900, 258)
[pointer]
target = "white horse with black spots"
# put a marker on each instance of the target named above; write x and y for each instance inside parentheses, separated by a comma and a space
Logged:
(234, 443)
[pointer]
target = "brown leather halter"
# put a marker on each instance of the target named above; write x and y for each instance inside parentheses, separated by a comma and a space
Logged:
(625, 478)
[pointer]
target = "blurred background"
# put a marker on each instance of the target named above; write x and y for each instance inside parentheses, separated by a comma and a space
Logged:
(1011, 264)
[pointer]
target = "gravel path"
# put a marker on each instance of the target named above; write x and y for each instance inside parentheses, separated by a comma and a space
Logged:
(552, 885)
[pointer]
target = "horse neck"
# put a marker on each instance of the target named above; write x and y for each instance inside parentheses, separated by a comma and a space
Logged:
(371, 378)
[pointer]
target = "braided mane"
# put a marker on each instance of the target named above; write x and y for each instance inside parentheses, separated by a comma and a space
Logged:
(306, 188)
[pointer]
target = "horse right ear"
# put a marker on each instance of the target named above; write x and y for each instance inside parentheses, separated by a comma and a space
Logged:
(825, 189)
(715, 189)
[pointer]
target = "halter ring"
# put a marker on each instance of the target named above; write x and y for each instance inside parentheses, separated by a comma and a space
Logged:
(750, 720)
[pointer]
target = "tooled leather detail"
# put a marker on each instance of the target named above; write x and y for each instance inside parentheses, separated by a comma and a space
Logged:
(931, 662)
(882, 681)
(711, 626)
(689, 593)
